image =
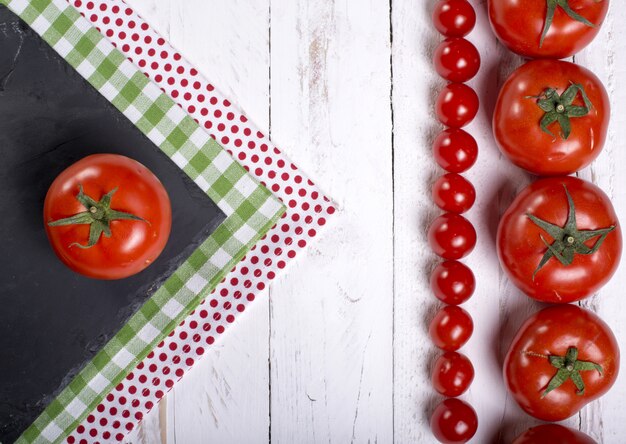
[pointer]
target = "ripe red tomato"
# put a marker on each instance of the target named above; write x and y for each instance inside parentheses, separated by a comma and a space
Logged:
(551, 434)
(557, 250)
(452, 374)
(456, 60)
(451, 328)
(454, 18)
(456, 105)
(451, 236)
(453, 421)
(551, 117)
(547, 29)
(455, 150)
(452, 282)
(107, 216)
(562, 358)
(453, 193)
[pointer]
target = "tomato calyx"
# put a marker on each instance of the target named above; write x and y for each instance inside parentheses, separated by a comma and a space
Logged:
(560, 108)
(568, 240)
(99, 216)
(568, 367)
(551, 9)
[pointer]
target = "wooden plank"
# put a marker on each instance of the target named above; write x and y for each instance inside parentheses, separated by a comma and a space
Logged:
(225, 398)
(331, 315)
(414, 90)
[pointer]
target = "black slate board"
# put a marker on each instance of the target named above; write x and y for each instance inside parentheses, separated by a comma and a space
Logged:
(53, 321)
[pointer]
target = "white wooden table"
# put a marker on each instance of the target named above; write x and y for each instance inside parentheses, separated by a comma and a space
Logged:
(339, 351)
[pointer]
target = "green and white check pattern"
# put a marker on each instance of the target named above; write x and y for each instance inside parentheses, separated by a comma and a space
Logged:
(250, 208)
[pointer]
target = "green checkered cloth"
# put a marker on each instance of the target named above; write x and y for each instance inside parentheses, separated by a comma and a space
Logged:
(251, 210)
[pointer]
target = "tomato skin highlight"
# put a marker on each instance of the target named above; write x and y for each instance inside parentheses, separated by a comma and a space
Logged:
(456, 105)
(550, 332)
(453, 421)
(451, 236)
(456, 60)
(133, 244)
(454, 18)
(452, 374)
(520, 247)
(451, 328)
(519, 26)
(452, 282)
(553, 433)
(453, 193)
(455, 150)
(517, 116)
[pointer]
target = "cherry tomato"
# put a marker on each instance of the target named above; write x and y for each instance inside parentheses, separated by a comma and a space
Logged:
(453, 421)
(525, 27)
(553, 434)
(107, 216)
(551, 117)
(451, 328)
(456, 105)
(455, 150)
(454, 18)
(562, 358)
(452, 282)
(452, 374)
(456, 60)
(451, 236)
(560, 240)
(453, 193)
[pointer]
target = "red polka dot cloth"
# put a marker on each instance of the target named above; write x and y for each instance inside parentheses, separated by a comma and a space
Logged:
(308, 211)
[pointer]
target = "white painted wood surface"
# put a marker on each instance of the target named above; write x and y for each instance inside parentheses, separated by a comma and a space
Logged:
(339, 351)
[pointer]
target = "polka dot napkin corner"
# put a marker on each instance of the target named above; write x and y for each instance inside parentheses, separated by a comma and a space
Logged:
(308, 211)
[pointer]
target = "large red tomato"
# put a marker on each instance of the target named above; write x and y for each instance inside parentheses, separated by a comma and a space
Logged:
(562, 358)
(560, 240)
(553, 29)
(552, 434)
(107, 216)
(551, 117)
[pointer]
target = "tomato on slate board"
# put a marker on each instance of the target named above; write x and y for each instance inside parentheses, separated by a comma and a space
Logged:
(451, 328)
(107, 216)
(451, 236)
(551, 117)
(560, 240)
(455, 150)
(453, 421)
(553, 29)
(454, 18)
(456, 105)
(456, 60)
(452, 374)
(454, 193)
(562, 358)
(552, 434)
(452, 282)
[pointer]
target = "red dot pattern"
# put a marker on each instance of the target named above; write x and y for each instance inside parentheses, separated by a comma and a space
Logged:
(307, 210)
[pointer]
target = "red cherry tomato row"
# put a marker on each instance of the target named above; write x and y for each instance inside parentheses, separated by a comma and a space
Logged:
(451, 236)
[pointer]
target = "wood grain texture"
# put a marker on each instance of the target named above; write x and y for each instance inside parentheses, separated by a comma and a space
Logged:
(331, 315)
(340, 351)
